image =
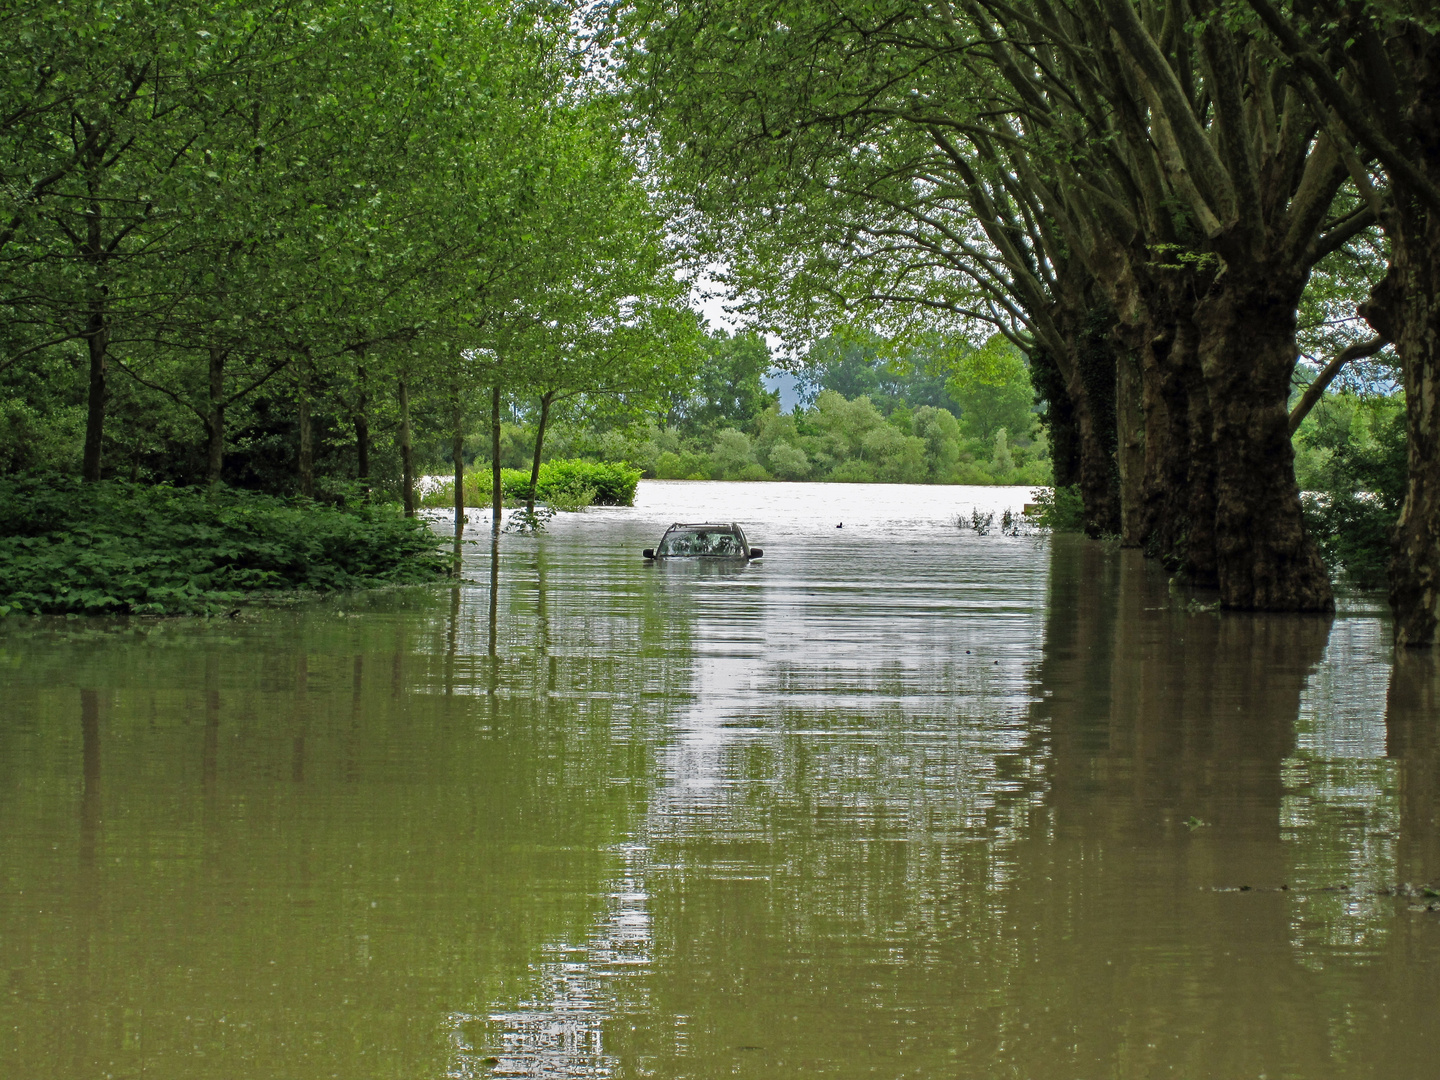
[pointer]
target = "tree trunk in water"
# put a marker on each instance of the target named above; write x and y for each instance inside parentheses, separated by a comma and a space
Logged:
(307, 436)
(1265, 561)
(97, 338)
(545, 400)
(1059, 418)
(457, 453)
(1170, 505)
(215, 419)
(497, 494)
(362, 431)
(1177, 498)
(1405, 307)
(1090, 386)
(407, 451)
(1129, 444)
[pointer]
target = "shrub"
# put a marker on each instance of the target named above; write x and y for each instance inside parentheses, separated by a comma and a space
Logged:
(1353, 517)
(121, 548)
(613, 482)
(1061, 509)
(562, 485)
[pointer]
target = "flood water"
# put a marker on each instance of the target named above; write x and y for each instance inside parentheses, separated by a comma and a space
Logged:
(898, 800)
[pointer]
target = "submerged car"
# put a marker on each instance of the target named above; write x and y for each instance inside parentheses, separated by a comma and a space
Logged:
(707, 540)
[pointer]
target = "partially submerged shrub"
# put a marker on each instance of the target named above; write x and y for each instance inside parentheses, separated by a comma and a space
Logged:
(120, 548)
(1059, 509)
(562, 485)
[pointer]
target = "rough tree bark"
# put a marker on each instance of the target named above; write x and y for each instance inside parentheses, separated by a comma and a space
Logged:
(1405, 306)
(1408, 302)
(1265, 560)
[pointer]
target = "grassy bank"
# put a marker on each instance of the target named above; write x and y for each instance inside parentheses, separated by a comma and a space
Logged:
(120, 548)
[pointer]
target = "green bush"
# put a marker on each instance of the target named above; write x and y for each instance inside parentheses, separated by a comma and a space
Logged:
(121, 548)
(1061, 509)
(1352, 517)
(562, 485)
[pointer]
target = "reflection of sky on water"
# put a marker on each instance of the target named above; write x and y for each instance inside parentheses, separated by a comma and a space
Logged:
(854, 740)
(882, 670)
(560, 1031)
(1340, 815)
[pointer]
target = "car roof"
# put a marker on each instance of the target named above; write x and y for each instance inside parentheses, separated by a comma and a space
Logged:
(703, 525)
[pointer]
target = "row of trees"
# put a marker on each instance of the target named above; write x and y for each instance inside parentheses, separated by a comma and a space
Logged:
(1140, 193)
(868, 410)
(355, 212)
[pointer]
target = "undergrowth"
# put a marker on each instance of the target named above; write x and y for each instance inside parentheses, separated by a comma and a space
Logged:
(121, 548)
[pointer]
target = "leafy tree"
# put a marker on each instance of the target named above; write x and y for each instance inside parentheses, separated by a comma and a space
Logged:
(993, 387)
(727, 389)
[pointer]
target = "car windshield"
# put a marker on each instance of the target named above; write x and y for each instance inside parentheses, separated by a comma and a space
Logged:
(700, 542)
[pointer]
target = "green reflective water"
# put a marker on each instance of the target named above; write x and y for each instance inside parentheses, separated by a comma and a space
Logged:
(898, 800)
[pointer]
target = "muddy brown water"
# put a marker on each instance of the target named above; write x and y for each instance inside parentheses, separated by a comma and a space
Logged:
(898, 800)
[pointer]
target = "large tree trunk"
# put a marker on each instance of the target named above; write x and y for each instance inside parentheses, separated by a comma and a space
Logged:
(1177, 498)
(1265, 561)
(1089, 374)
(545, 400)
(1059, 418)
(1405, 307)
(97, 339)
(1130, 444)
(497, 493)
(407, 450)
(215, 419)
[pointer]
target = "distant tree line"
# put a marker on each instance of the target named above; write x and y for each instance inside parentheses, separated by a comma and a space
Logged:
(869, 412)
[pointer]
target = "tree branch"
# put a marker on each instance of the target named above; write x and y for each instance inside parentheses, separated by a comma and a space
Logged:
(1316, 390)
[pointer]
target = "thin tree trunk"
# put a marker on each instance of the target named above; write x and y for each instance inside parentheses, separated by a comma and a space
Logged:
(306, 462)
(97, 339)
(457, 454)
(215, 418)
(407, 451)
(97, 334)
(362, 429)
(497, 493)
(545, 400)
